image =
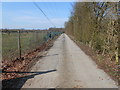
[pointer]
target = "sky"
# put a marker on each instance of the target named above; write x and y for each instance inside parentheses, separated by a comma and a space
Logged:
(17, 15)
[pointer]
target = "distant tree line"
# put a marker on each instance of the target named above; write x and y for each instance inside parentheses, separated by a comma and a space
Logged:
(96, 24)
(32, 30)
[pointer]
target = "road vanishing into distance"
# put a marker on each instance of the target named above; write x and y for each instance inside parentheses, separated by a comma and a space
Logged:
(65, 65)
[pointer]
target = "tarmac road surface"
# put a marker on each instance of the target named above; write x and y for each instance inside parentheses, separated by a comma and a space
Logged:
(66, 66)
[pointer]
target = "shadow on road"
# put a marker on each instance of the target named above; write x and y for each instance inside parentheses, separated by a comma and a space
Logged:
(50, 55)
(19, 82)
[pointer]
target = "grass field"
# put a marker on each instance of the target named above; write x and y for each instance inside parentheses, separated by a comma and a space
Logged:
(29, 41)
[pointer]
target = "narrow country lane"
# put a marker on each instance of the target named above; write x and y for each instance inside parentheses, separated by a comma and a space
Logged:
(66, 66)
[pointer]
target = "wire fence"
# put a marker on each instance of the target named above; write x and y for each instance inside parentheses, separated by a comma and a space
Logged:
(16, 43)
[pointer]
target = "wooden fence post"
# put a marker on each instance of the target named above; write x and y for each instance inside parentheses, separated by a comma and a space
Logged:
(19, 45)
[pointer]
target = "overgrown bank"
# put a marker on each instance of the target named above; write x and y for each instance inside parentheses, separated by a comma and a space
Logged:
(103, 61)
(95, 25)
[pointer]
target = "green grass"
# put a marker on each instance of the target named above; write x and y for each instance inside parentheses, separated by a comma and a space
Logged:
(29, 41)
